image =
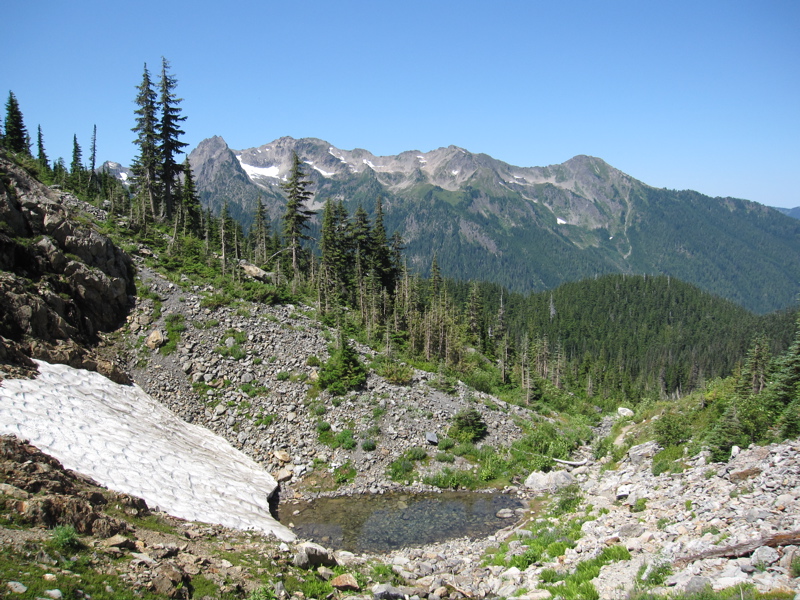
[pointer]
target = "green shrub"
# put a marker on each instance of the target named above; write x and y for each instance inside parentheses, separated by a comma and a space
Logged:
(465, 449)
(400, 469)
(65, 538)
(343, 371)
(416, 453)
(283, 376)
(468, 426)
(452, 479)
(640, 505)
(794, 568)
(445, 444)
(556, 549)
(344, 439)
(445, 457)
(344, 474)
(668, 459)
(368, 445)
(175, 326)
(568, 499)
(323, 426)
(672, 429)
(394, 371)
(261, 593)
(656, 574)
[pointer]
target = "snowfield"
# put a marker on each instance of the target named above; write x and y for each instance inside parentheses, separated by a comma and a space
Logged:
(128, 442)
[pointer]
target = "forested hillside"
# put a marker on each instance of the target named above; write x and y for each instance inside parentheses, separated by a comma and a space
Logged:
(597, 343)
(526, 228)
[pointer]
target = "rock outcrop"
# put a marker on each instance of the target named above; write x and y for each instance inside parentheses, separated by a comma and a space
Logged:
(61, 282)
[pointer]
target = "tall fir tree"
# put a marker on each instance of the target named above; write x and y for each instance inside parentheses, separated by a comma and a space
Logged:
(16, 135)
(41, 155)
(190, 202)
(146, 164)
(92, 186)
(260, 232)
(169, 133)
(380, 251)
(296, 217)
(77, 174)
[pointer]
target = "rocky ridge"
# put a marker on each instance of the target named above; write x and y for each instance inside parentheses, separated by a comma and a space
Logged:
(62, 283)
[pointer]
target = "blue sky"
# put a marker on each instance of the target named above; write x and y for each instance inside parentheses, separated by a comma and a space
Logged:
(685, 95)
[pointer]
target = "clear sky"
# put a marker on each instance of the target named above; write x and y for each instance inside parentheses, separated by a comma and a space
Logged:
(696, 94)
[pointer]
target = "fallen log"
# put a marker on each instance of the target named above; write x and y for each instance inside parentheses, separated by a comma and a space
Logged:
(571, 463)
(789, 538)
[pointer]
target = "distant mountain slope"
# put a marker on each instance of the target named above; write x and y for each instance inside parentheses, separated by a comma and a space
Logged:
(527, 228)
(790, 212)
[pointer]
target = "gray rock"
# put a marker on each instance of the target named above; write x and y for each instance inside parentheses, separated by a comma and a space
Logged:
(765, 556)
(638, 454)
(548, 482)
(310, 555)
(385, 591)
(432, 438)
(696, 585)
(155, 340)
(624, 412)
(16, 587)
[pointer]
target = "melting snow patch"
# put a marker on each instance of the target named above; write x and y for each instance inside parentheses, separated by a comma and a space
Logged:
(323, 173)
(331, 152)
(253, 172)
(128, 442)
(560, 221)
(454, 172)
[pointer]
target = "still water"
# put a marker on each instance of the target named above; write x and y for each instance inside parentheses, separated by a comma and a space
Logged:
(379, 523)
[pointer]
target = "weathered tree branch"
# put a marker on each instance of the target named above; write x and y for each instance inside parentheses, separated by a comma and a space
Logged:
(571, 463)
(788, 538)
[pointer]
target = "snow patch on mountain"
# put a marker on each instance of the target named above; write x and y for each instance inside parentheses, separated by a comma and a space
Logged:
(259, 172)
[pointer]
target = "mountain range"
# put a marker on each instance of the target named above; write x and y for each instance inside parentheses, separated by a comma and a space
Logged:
(527, 228)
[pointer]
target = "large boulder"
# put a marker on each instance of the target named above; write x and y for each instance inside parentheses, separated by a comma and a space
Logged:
(310, 555)
(541, 483)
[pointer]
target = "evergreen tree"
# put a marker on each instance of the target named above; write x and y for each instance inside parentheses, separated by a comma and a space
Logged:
(785, 385)
(295, 219)
(436, 278)
(76, 170)
(59, 172)
(146, 164)
(379, 250)
(41, 156)
(360, 235)
(260, 233)
(190, 202)
(92, 184)
(169, 133)
(16, 135)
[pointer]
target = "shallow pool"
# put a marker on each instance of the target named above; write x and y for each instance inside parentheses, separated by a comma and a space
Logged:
(379, 523)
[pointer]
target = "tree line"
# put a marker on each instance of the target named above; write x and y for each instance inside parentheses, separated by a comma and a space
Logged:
(605, 340)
